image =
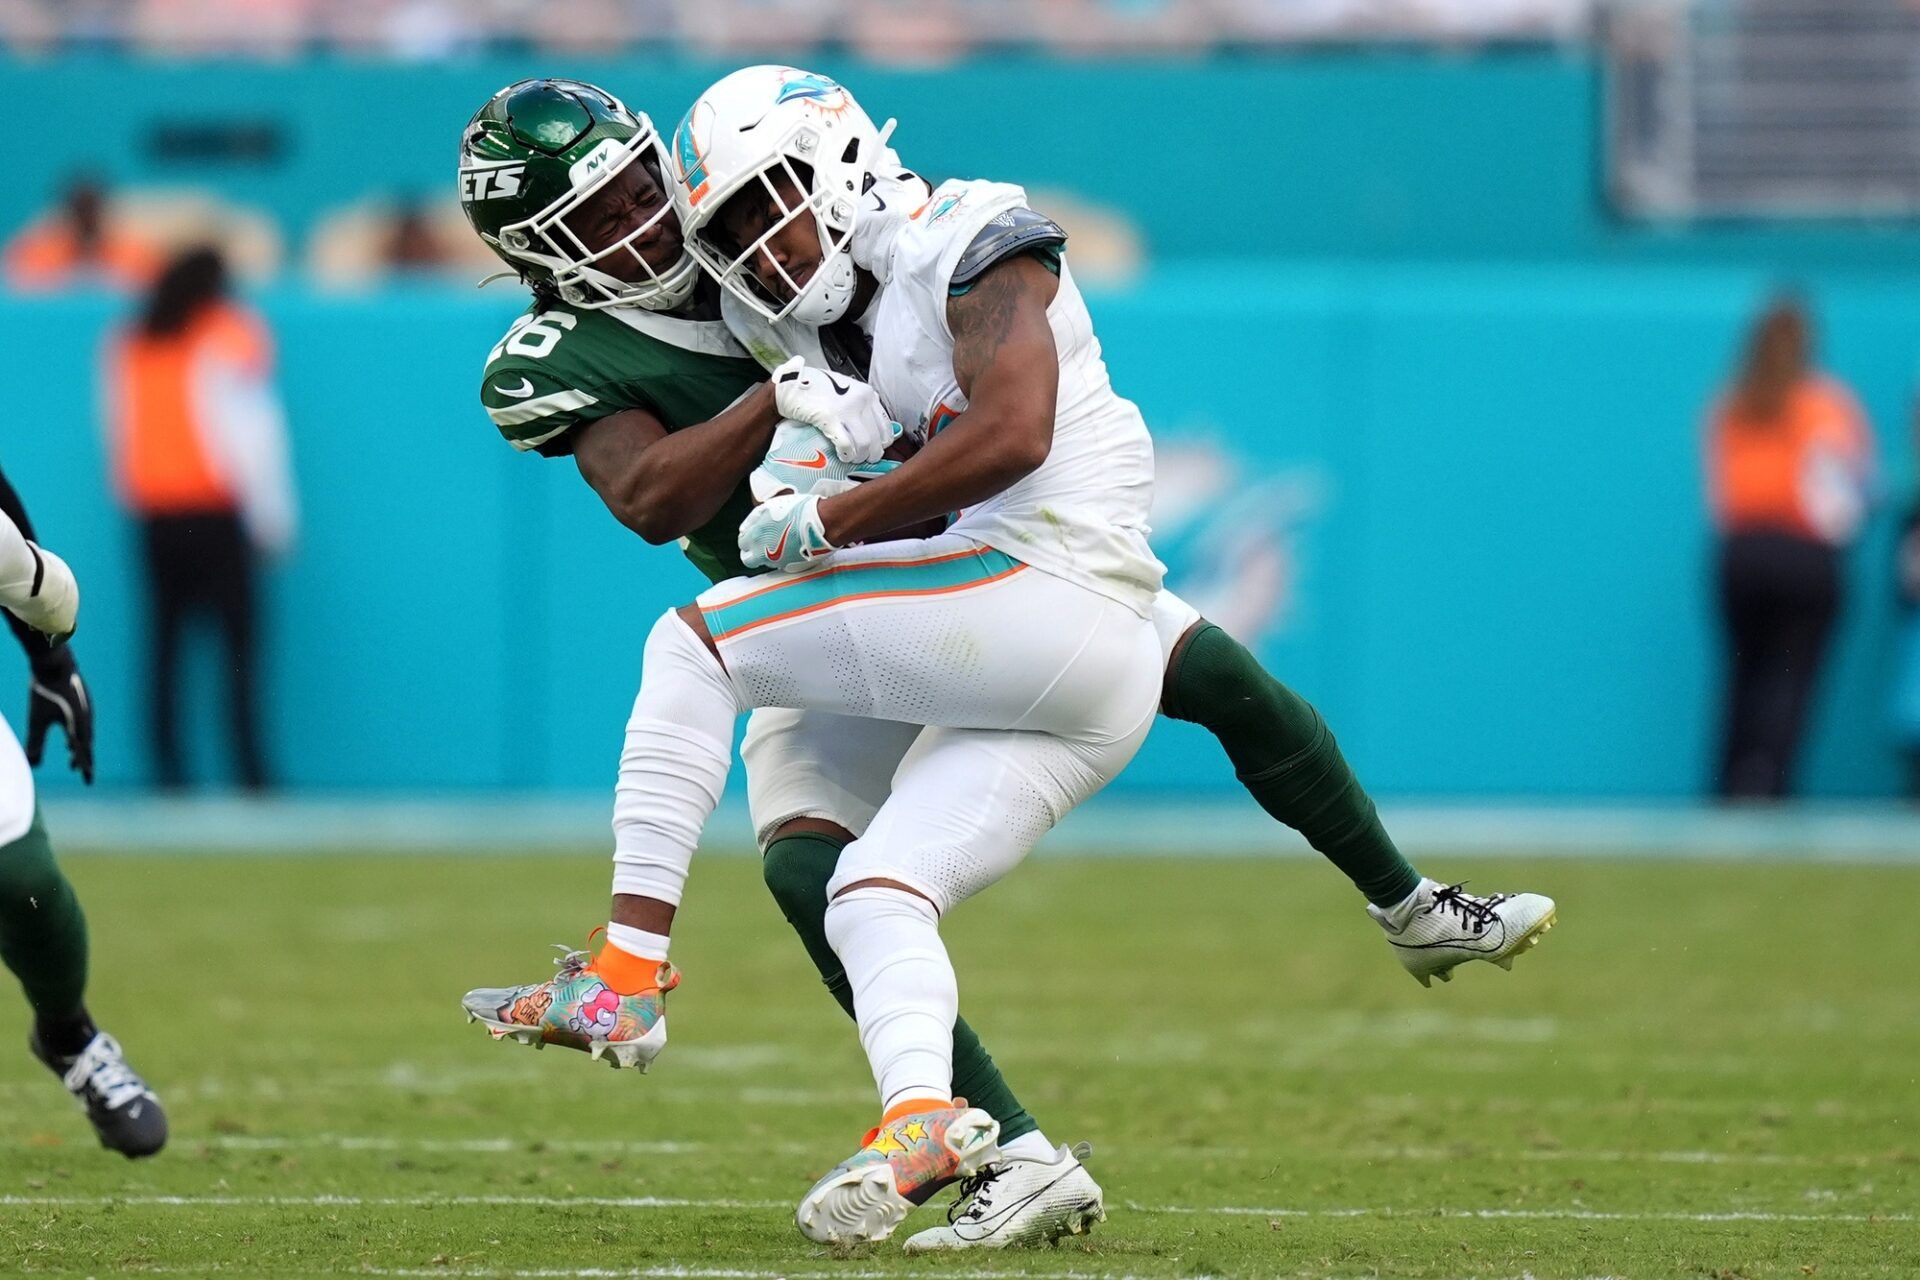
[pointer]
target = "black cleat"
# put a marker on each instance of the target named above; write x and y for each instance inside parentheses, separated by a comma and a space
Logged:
(124, 1112)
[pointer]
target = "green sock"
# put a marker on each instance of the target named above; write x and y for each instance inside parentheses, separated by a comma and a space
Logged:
(43, 935)
(1286, 757)
(797, 869)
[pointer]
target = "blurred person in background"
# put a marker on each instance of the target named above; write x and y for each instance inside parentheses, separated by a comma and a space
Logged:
(1906, 684)
(43, 933)
(412, 242)
(75, 244)
(1789, 461)
(198, 440)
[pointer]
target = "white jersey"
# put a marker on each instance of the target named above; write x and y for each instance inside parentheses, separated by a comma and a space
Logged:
(1082, 514)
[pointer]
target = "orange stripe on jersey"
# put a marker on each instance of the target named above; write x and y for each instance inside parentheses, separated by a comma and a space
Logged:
(801, 580)
(858, 596)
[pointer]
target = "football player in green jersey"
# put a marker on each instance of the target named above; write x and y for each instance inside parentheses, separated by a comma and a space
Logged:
(622, 363)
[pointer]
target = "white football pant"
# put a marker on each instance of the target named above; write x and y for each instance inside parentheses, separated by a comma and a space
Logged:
(1036, 692)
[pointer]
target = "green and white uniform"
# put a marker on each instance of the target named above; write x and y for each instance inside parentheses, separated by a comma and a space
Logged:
(561, 367)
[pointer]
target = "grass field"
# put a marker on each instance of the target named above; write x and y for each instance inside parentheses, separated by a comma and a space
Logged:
(1705, 1071)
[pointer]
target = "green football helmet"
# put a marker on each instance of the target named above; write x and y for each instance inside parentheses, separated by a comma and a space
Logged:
(535, 153)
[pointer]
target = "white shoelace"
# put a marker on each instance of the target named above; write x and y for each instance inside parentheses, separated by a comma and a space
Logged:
(102, 1071)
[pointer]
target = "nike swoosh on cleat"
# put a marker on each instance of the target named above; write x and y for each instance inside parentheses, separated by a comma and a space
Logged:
(815, 463)
(520, 392)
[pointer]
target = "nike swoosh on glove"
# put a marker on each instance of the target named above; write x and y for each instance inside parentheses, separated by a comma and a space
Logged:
(784, 533)
(846, 410)
(58, 696)
(802, 460)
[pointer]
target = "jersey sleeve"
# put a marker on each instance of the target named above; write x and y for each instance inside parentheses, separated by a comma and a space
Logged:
(961, 232)
(535, 408)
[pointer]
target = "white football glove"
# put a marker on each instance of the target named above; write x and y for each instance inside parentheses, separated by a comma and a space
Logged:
(801, 460)
(846, 410)
(784, 533)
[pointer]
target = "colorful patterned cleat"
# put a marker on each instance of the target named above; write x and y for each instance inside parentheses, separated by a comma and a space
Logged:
(899, 1166)
(577, 1009)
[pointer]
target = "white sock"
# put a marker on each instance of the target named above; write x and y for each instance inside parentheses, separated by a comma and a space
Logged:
(638, 942)
(678, 750)
(1400, 912)
(1030, 1146)
(905, 995)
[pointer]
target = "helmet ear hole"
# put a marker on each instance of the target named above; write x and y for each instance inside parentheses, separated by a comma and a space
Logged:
(852, 154)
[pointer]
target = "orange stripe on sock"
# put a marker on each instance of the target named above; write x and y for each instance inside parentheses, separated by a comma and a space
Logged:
(624, 973)
(804, 610)
(914, 1107)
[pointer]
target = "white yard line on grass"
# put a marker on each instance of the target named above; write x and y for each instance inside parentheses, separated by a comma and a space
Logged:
(384, 1202)
(1571, 1214)
(1524, 1215)
(621, 1146)
(657, 1273)
(667, 1147)
(468, 1146)
(1575, 1155)
(743, 1273)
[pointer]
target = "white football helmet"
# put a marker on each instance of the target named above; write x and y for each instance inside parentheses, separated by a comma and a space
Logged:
(737, 134)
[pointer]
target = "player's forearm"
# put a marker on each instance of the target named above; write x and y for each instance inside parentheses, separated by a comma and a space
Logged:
(687, 476)
(1006, 364)
(664, 485)
(973, 459)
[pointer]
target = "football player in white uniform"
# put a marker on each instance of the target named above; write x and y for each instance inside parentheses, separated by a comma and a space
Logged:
(829, 250)
(622, 365)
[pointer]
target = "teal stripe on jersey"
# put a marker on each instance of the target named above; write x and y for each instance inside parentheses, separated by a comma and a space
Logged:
(860, 580)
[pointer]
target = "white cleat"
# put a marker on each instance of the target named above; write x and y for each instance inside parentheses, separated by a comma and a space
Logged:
(1440, 927)
(1020, 1202)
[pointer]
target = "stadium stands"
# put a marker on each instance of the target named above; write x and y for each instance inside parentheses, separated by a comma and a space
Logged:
(921, 30)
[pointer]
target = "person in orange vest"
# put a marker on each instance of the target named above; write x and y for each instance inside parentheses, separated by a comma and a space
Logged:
(1790, 460)
(75, 244)
(199, 448)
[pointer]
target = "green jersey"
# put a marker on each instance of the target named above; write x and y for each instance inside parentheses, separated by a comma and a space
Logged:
(561, 367)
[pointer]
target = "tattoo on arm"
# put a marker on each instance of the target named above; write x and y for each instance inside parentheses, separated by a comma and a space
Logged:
(1008, 299)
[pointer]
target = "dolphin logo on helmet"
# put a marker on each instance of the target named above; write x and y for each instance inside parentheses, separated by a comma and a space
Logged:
(807, 86)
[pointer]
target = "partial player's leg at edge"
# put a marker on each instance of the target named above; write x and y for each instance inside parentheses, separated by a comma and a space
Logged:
(43, 940)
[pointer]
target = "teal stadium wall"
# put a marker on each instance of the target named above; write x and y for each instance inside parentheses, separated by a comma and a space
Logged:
(1429, 420)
